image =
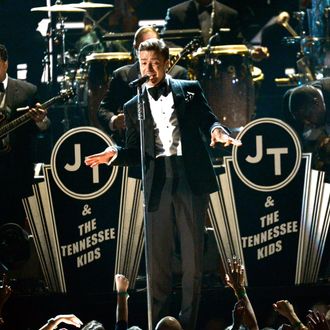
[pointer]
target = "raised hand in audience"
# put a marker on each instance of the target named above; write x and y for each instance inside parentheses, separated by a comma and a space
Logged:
(122, 284)
(64, 318)
(285, 308)
(235, 279)
(238, 315)
(317, 321)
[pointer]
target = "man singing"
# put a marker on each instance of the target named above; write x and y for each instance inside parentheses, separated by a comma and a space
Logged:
(179, 175)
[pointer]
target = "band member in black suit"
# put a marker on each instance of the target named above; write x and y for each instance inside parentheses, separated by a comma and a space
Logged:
(179, 174)
(196, 14)
(222, 28)
(306, 109)
(16, 165)
(110, 112)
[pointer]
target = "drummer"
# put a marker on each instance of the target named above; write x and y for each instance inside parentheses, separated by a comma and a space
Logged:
(198, 14)
(110, 112)
(92, 42)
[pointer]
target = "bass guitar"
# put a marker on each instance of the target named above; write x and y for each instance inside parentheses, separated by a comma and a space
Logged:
(7, 127)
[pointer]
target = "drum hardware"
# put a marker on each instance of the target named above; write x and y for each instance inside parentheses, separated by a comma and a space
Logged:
(310, 56)
(111, 36)
(300, 16)
(57, 35)
(291, 81)
(169, 34)
(223, 50)
(283, 19)
(87, 5)
(109, 56)
(179, 34)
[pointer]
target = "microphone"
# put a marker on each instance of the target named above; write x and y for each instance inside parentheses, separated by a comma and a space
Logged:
(139, 81)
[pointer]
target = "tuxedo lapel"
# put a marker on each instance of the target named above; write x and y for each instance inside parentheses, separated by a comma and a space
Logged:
(178, 96)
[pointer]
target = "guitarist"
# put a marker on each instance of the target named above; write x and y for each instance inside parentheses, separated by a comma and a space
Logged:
(16, 165)
(110, 112)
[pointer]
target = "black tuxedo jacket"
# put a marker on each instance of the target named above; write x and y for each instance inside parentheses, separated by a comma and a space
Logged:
(16, 165)
(119, 92)
(185, 16)
(195, 120)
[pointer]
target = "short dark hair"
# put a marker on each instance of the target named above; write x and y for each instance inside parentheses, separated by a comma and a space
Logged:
(303, 100)
(157, 45)
(3, 53)
(141, 31)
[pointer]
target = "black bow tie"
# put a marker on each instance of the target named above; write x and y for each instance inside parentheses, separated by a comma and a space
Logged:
(208, 8)
(157, 91)
(2, 87)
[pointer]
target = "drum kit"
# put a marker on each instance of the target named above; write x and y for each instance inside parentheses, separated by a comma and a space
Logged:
(225, 72)
(314, 44)
(65, 66)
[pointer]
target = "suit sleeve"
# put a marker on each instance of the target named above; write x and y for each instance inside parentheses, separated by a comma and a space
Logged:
(130, 155)
(206, 118)
(112, 102)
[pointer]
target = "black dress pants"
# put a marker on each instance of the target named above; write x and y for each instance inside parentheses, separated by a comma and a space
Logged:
(180, 214)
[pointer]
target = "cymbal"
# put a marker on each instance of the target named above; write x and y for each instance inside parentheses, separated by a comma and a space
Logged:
(90, 5)
(59, 8)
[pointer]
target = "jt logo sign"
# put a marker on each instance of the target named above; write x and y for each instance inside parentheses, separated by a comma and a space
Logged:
(77, 164)
(270, 155)
(276, 153)
(68, 169)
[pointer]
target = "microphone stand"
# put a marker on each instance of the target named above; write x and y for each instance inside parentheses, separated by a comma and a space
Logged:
(141, 118)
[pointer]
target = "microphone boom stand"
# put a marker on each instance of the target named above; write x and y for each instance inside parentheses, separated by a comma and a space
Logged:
(141, 118)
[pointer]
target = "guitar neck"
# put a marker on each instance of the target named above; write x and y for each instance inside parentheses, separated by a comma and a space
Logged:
(175, 59)
(7, 128)
(191, 46)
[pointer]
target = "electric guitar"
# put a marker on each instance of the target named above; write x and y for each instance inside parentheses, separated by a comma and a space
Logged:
(189, 48)
(7, 127)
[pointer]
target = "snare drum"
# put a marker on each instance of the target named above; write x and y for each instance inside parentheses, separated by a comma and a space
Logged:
(225, 73)
(100, 68)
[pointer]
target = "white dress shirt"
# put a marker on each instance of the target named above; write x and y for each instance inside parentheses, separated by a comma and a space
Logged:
(166, 126)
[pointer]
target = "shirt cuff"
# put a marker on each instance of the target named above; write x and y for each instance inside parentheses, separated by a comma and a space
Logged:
(111, 148)
(44, 124)
(218, 125)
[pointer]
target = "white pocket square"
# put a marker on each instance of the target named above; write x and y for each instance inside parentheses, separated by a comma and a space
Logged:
(189, 96)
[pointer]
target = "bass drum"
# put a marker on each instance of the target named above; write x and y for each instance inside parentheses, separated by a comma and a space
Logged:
(100, 67)
(225, 74)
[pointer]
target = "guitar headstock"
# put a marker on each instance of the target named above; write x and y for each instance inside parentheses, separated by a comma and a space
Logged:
(193, 45)
(66, 94)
